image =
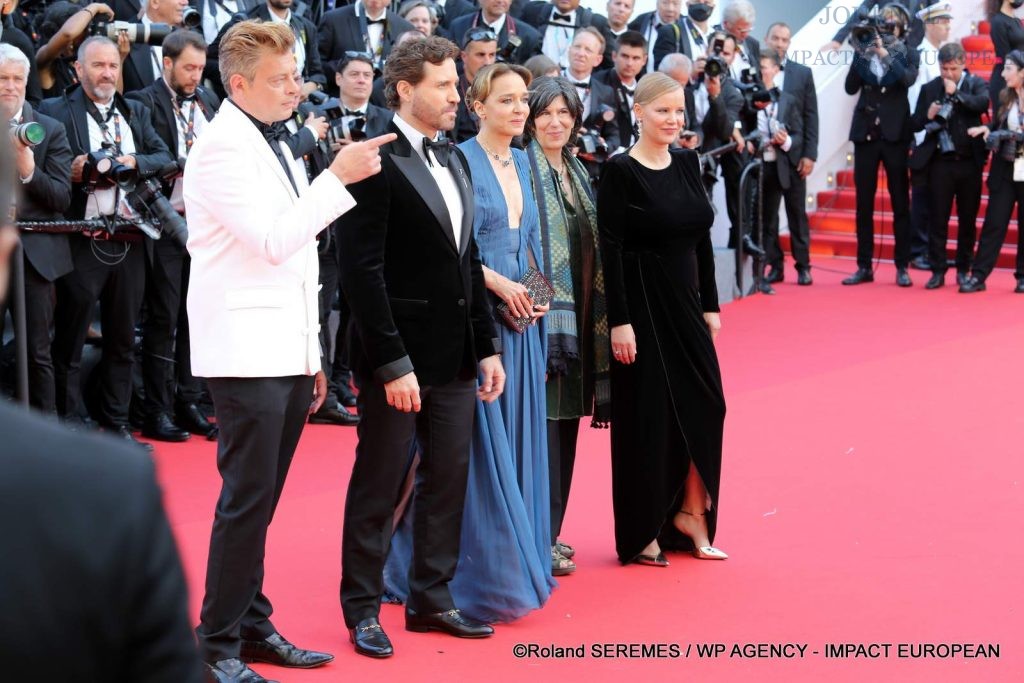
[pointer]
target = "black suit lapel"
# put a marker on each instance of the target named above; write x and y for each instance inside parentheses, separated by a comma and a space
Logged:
(352, 25)
(457, 167)
(415, 170)
(163, 96)
(80, 119)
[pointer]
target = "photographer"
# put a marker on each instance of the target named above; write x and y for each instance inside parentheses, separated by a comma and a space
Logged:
(98, 119)
(780, 123)
(43, 169)
(494, 13)
(882, 70)
(145, 62)
(63, 27)
(947, 107)
(179, 110)
(599, 102)
(1005, 178)
(364, 26)
(629, 57)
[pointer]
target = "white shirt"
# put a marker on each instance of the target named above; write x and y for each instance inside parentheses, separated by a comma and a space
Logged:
(498, 24)
(375, 31)
(740, 62)
(299, 49)
(103, 202)
(701, 104)
(584, 93)
(696, 49)
(765, 120)
(557, 38)
(215, 18)
(442, 176)
(1013, 118)
(198, 123)
(929, 70)
(780, 78)
(652, 37)
(156, 52)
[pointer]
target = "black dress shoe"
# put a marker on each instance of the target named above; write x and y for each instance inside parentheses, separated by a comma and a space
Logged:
(451, 622)
(935, 281)
(903, 278)
(334, 416)
(764, 288)
(962, 277)
(775, 275)
(345, 396)
(370, 639)
(861, 276)
(972, 285)
(750, 247)
(122, 432)
(161, 428)
(803, 277)
(277, 650)
(1019, 289)
(232, 671)
(920, 263)
(189, 417)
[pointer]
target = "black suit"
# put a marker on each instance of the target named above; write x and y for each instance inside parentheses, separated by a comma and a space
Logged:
(643, 24)
(452, 10)
(140, 68)
(340, 31)
(798, 83)
(91, 585)
(529, 35)
(880, 131)
(47, 257)
(673, 38)
(915, 33)
(538, 14)
(119, 286)
(623, 109)
(602, 100)
(952, 175)
(1004, 194)
(126, 10)
(780, 176)
(418, 305)
(165, 326)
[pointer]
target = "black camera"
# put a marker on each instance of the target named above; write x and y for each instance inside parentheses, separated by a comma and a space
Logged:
(152, 34)
(146, 198)
(1004, 143)
(340, 126)
(192, 19)
(29, 133)
(506, 53)
(940, 126)
(715, 67)
(866, 32)
(591, 147)
(102, 169)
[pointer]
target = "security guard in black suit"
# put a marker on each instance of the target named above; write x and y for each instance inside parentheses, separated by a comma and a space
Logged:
(946, 108)
(44, 170)
(882, 70)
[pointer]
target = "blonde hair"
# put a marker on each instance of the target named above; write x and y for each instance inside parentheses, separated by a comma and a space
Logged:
(654, 85)
(483, 83)
(244, 44)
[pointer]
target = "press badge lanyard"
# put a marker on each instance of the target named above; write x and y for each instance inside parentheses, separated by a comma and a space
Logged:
(188, 125)
(112, 113)
(510, 23)
(364, 27)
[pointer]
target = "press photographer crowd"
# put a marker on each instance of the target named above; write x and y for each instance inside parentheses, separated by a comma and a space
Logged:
(209, 175)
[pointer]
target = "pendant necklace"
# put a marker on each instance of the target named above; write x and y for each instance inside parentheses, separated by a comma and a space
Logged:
(504, 162)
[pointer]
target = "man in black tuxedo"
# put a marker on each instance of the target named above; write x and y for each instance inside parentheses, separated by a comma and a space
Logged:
(630, 57)
(216, 14)
(44, 172)
(880, 131)
(307, 54)
(180, 109)
(367, 26)
(96, 117)
(494, 14)
(558, 22)
(648, 24)
(599, 100)
(780, 123)
(145, 62)
(422, 330)
(952, 159)
(796, 79)
(90, 566)
(479, 48)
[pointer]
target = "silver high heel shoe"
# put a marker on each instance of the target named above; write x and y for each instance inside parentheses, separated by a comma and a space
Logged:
(704, 552)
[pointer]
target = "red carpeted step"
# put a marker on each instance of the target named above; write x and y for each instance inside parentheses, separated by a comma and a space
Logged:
(845, 245)
(976, 44)
(845, 199)
(844, 221)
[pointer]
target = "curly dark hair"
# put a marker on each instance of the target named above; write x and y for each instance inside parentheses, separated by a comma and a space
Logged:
(405, 63)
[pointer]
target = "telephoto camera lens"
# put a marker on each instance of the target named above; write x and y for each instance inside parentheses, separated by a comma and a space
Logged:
(29, 134)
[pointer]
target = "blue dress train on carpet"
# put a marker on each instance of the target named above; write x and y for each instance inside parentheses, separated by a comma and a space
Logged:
(504, 568)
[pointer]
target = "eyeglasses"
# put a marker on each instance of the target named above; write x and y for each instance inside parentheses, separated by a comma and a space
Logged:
(484, 34)
(355, 54)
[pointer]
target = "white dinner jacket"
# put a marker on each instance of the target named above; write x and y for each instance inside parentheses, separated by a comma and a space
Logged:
(252, 298)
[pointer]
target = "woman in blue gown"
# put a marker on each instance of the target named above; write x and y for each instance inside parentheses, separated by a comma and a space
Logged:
(504, 568)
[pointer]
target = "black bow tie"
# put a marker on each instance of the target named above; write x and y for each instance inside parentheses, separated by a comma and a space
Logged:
(582, 84)
(371, 22)
(275, 131)
(629, 91)
(555, 16)
(354, 112)
(182, 100)
(440, 148)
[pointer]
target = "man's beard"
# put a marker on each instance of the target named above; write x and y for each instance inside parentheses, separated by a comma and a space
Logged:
(434, 118)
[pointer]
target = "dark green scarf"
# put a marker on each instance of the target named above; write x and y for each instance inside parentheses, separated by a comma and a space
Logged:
(560, 322)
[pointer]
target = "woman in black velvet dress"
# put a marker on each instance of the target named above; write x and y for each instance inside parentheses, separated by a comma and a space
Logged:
(668, 408)
(1007, 35)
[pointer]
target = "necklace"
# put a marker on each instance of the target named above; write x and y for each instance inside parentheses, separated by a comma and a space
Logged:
(505, 163)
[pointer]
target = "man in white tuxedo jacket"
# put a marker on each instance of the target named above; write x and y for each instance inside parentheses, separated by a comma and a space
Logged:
(252, 308)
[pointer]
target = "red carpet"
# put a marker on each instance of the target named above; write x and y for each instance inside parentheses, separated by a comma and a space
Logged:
(871, 494)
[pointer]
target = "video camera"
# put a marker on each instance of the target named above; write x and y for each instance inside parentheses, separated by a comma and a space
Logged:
(940, 126)
(339, 125)
(506, 53)
(151, 34)
(29, 133)
(143, 195)
(870, 27)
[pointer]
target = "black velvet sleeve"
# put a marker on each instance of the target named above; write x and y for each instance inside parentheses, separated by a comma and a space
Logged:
(611, 206)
